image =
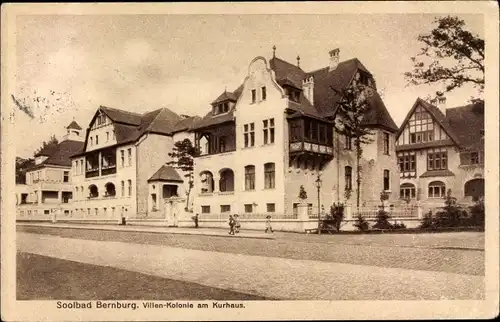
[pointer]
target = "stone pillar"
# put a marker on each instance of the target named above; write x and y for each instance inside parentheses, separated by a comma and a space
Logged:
(59, 196)
(39, 197)
(216, 179)
(420, 213)
(348, 211)
(54, 215)
(100, 164)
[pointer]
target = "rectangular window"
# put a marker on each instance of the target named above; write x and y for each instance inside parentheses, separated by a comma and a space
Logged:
(250, 177)
(66, 176)
(295, 209)
(269, 176)
(107, 136)
(91, 141)
(347, 142)
(205, 209)
(114, 135)
(81, 166)
(123, 189)
(407, 162)
(348, 178)
(268, 130)
(130, 188)
(264, 94)
(249, 134)
(474, 158)
(322, 133)
(254, 95)
(97, 140)
(248, 208)
(386, 143)
(129, 156)
(386, 180)
(122, 158)
(270, 207)
(225, 208)
(437, 159)
(245, 135)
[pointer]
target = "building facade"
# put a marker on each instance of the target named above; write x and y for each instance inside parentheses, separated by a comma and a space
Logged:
(122, 152)
(441, 149)
(48, 181)
(276, 132)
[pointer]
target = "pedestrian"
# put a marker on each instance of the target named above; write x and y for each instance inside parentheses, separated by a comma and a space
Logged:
(196, 221)
(237, 224)
(231, 225)
(268, 224)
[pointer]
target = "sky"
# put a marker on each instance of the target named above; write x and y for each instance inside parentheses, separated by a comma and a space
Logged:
(144, 62)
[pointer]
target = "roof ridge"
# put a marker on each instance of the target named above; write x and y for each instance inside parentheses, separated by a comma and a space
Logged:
(120, 110)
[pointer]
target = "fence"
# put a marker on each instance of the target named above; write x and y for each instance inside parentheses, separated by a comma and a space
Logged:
(247, 216)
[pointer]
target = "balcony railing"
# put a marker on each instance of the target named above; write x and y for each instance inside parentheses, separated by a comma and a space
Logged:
(311, 147)
(92, 173)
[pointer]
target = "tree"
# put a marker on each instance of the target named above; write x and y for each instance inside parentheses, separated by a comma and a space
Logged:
(353, 105)
(183, 158)
(48, 145)
(21, 166)
(450, 55)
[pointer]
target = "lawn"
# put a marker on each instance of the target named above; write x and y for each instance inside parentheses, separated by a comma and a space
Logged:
(47, 278)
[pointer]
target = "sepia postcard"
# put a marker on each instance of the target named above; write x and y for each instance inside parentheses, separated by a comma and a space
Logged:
(249, 161)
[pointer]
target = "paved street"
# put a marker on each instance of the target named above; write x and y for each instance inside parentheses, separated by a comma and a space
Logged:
(281, 268)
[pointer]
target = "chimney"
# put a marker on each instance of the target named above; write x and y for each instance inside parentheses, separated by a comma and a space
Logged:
(441, 104)
(308, 89)
(334, 58)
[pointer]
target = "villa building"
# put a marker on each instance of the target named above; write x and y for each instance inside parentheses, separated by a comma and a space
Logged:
(48, 181)
(121, 169)
(275, 132)
(441, 149)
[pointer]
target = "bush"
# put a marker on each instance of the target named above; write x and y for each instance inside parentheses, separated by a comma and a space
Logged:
(361, 224)
(333, 220)
(399, 226)
(383, 220)
(476, 211)
(427, 221)
(451, 214)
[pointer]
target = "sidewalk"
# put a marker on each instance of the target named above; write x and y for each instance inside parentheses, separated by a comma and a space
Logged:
(152, 229)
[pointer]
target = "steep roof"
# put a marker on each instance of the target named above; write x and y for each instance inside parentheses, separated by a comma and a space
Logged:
(61, 154)
(166, 173)
(46, 151)
(286, 71)
(467, 123)
(226, 96)
(121, 116)
(210, 119)
(74, 125)
(435, 113)
(129, 127)
(378, 115)
(185, 124)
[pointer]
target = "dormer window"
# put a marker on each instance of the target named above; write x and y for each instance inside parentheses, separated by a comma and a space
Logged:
(221, 108)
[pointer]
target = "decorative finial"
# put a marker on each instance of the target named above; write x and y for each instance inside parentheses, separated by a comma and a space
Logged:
(298, 61)
(274, 51)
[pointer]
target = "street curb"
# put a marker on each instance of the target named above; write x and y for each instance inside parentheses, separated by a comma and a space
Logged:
(111, 228)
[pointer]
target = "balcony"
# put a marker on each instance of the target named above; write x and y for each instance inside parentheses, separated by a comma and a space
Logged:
(91, 173)
(111, 169)
(311, 147)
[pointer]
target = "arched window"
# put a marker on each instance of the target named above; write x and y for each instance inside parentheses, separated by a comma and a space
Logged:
(269, 176)
(93, 191)
(123, 189)
(250, 177)
(387, 185)
(207, 182)
(437, 189)
(407, 191)
(348, 177)
(110, 190)
(226, 182)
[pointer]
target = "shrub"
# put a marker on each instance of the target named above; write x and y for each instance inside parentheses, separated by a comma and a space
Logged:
(400, 225)
(382, 220)
(361, 224)
(451, 215)
(333, 220)
(476, 211)
(427, 221)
